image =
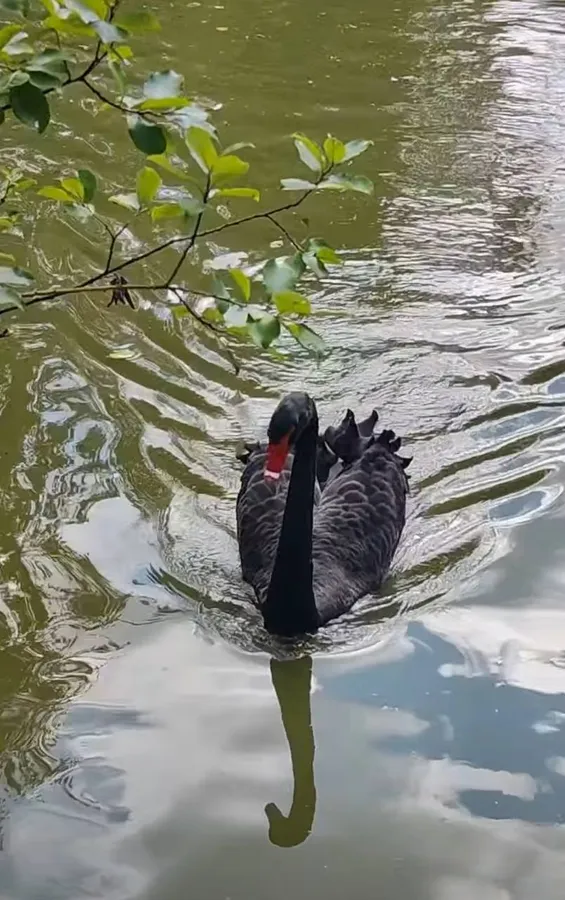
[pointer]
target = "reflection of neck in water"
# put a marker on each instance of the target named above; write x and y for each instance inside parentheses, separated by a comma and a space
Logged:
(292, 680)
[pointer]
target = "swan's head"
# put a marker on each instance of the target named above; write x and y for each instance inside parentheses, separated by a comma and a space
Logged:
(293, 416)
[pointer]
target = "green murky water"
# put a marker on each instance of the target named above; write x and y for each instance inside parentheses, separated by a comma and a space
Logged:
(151, 746)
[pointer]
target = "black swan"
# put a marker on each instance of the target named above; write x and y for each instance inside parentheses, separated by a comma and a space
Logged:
(307, 561)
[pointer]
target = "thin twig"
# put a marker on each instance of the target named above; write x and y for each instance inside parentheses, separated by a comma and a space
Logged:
(94, 90)
(209, 325)
(114, 237)
(192, 239)
(287, 234)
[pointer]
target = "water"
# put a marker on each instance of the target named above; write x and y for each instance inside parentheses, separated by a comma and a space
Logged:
(154, 743)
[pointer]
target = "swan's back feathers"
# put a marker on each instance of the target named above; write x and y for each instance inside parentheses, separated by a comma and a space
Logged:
(357, 526)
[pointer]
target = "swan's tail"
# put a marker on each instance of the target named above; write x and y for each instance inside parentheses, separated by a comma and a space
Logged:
(389, 439)
(367, 426)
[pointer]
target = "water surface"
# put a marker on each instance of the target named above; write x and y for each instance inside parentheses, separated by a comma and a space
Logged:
(154, 743)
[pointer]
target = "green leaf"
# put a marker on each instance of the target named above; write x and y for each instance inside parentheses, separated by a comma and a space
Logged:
(297, 184)
(17, 6)
(314, 264)
(309, 152)
(7, 258)
(150, 139)
(88, 10)
(9, 297)
(243, 282)
(228, 166)
(264, 331)
(324, 252)
(117, 71)
(108, 33)
(23, 184)
(191, 205)
(8, 32)
(334, 150)
(147, 184)
(281, 274)
(52, 6)
(291, 302)
(161, 85)
(318, 254)
(358, 183)
(74, 187)
(18, 77)
(6, 223)
(308, 339)
(213, 313)
(30, 106)
(164, 163)
(71, 26)
(50, 62)
(43, 80)
(138, 21)
(163, 103)
(239, 145)
(251, 193)
(18, 45)
(236, 317)
(126, 201)
(201, 147)
(15, 276)
(55, 193)
(122, 53)
(88, 181)
(355, 148)
(219, 289)
(167, 211)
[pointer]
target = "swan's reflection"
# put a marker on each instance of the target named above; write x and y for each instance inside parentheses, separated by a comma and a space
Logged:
(292, 682)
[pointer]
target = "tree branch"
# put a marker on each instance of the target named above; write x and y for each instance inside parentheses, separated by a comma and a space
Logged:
(94, 90)
(286, 233)
(178, 239)
(73, 79)
(209, 325)
(89, 285)
(30, 298)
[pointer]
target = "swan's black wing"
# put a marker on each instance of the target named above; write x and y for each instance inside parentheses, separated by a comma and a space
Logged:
(357, 526)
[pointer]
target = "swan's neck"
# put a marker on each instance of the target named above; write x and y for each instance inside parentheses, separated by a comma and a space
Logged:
(290, 608)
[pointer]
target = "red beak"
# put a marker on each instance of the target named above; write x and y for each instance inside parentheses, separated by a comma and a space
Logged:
(276, 458)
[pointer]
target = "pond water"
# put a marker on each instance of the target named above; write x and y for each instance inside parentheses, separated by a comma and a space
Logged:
(154, 743)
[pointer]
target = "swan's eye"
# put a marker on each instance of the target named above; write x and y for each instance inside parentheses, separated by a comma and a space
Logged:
(277, 452)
